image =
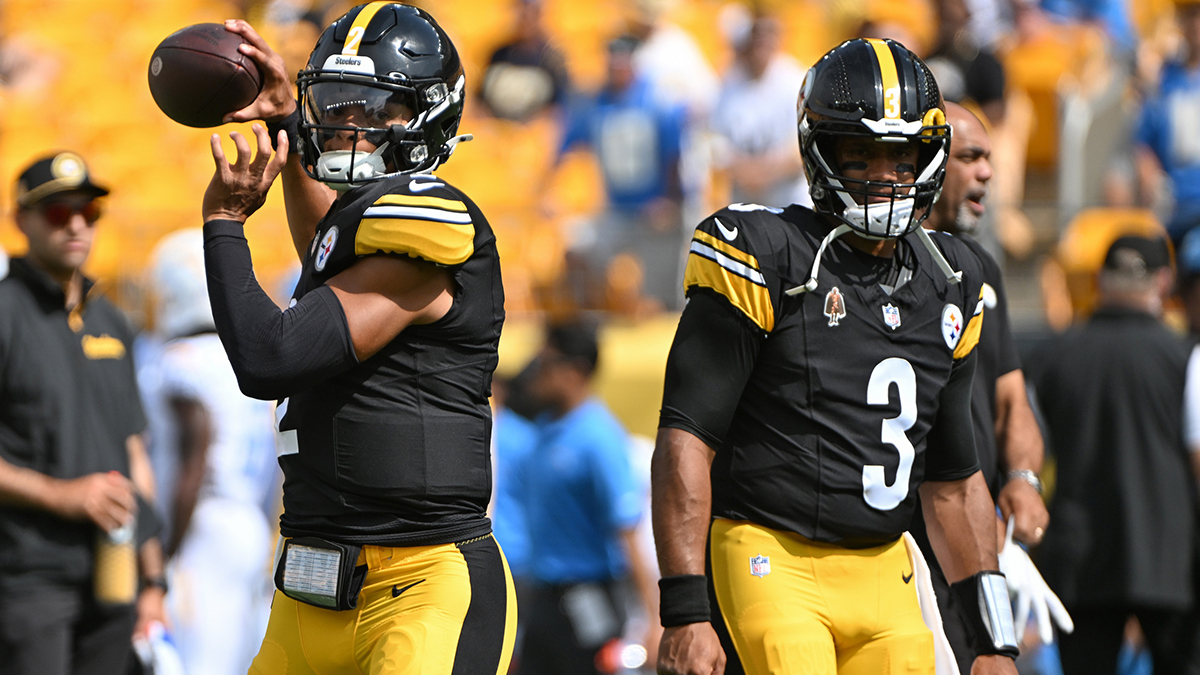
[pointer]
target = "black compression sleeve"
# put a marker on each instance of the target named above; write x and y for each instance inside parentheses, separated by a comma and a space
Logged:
(711, 358)
(273, 353)
(950, 445)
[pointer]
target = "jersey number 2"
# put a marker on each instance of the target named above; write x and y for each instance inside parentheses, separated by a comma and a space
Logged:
(876, 491)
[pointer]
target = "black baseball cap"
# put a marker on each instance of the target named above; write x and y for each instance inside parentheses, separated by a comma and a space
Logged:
(1136, 254)
(60, 172)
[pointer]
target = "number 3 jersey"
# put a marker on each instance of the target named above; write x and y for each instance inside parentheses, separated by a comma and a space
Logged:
(828, 408)
(395, 451)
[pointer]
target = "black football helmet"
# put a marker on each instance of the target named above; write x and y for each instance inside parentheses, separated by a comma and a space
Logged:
(876, 89)
(378, 62)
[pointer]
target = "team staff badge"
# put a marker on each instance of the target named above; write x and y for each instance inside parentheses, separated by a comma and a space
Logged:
(835, 306)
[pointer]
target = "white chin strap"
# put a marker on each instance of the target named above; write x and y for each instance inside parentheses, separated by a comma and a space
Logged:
(811, 285)
(882, 219)
(340, 168)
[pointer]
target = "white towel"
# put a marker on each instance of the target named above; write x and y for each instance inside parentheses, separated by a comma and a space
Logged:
(944, 659)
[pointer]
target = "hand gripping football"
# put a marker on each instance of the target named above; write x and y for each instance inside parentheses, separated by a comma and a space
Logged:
(198, 76)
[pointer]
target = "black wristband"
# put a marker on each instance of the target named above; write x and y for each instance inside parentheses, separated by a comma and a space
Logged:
(159, 582)
(290, 124)
(683, 599)
(984, 606)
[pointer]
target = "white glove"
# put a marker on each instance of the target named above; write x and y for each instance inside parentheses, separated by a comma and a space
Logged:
(1029, 590)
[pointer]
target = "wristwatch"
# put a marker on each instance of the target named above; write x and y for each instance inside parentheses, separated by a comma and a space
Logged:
(1028, 476)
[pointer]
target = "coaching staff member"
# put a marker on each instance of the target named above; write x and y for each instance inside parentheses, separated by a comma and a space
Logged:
(71, 461)
(383, 362)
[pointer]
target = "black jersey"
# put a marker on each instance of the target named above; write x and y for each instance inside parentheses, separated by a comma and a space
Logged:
(829, 437)
(395, 451)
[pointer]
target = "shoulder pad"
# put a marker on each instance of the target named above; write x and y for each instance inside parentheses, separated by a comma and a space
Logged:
(422, 219)
(725, 255)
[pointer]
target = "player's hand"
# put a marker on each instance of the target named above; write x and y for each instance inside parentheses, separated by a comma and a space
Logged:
(693, 649)
(106, 499)
(1019, 500)
(277, 98)
(1032, 594)
(993, 664)
(239, 189)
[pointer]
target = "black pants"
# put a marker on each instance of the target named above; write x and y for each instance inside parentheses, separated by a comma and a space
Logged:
(1093, 648)
(566, 626)
(63, 631)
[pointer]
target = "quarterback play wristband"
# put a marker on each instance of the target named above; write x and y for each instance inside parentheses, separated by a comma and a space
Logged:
(290, 124)
(683, 600)
(984, 605)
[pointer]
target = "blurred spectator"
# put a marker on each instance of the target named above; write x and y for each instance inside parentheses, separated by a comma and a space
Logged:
(756, 119)
(637, 142)
(670, 59)
(526, 76)
(583, 505)
(72, 465)
(1167, 137)
(221, 537)
(1122, 528)
(966, 70)
(1112, 16)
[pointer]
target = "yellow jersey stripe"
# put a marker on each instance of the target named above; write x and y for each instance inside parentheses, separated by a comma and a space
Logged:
(359, 27)
(750, 298)
(414, 200)
(735, 253)
(891, 78)
(438, 242)
(970, 337)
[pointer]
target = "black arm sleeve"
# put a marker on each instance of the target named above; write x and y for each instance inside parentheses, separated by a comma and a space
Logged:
(950, 445)
(711, 358)
(273, 353)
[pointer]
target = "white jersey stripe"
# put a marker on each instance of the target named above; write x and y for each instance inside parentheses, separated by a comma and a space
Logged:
(729, 263)
(418, 213)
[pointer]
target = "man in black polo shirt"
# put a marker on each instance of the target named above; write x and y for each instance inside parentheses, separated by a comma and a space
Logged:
(72, 465)
(1122, 520)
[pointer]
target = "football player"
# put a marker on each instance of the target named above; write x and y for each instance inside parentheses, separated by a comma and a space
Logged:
(819, 379)
(383, 361)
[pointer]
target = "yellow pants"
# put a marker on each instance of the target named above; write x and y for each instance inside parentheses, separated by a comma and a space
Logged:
(423, 610)
(794, 606)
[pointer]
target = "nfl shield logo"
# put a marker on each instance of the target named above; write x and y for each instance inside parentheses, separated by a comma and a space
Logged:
(891, 316)
(760, 566)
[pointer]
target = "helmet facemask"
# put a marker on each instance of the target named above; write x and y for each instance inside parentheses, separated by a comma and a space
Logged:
(875, 209)
(410, 123)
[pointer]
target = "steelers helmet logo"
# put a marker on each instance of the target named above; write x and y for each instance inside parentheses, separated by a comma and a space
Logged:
(69, 168)
(952, 325)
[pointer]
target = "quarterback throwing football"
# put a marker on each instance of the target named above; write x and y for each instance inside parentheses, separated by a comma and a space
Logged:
(819, 380)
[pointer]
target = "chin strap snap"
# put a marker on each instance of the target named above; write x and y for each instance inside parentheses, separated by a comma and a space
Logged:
(811, 284)
(951, 276)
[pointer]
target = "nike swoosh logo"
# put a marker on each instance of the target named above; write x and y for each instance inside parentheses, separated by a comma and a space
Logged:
(396, 590)
(414, 186)
(729, 234)
(906, 578)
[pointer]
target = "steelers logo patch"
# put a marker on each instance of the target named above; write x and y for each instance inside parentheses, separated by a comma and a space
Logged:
(952, 325)
(989, 296)
(326, 248)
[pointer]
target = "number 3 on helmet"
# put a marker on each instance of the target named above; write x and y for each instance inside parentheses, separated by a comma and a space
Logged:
(874, 89)
(387, 74)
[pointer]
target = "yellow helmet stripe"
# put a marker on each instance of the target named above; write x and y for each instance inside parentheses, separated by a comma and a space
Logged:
(359, 27)
(891, 78)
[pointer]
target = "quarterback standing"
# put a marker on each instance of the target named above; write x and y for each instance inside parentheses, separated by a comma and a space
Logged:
(820, 377)
(383, 362)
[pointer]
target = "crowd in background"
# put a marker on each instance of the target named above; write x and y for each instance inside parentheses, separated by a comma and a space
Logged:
(602, 137)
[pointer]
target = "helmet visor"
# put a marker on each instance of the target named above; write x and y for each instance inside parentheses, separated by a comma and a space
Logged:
(352, 104)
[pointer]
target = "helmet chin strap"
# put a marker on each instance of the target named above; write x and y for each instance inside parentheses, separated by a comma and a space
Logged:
(811, 285)
(340, 168)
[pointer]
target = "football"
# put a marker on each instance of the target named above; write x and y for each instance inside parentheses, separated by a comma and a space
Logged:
(198, 76)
